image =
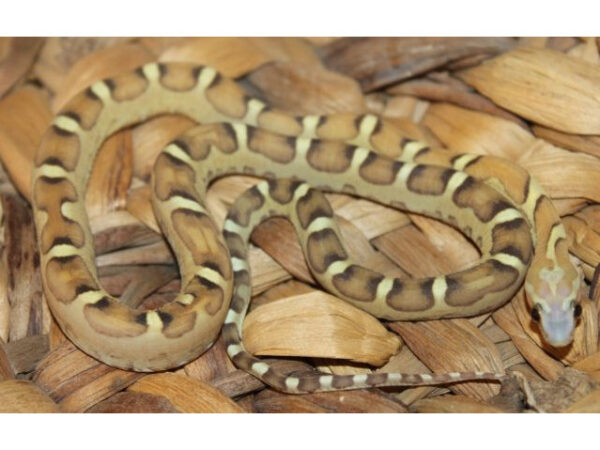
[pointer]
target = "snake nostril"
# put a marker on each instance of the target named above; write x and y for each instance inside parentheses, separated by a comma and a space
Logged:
(535, 314)
(577, 311)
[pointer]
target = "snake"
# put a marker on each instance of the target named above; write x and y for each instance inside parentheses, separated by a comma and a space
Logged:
(494, 202)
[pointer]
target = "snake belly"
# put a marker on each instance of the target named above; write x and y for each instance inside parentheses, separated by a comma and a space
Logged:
(244, 135)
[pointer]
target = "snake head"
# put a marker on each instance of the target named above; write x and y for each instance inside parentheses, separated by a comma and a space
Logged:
(555, 306)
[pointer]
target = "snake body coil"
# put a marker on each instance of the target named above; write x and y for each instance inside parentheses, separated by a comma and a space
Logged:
(498, 205)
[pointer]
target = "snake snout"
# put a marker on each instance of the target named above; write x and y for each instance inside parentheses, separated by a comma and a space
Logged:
(558, 324)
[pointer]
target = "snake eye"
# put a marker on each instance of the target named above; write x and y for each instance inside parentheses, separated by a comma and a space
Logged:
(535, 314)
(577, 311)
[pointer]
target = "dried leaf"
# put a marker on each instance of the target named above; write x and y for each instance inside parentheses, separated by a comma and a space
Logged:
(317, 324)
(448, 92)
(305, 89)
(18, 61)
(544, 86)
(232, 56)
(151, 137)
(98, 65)
(576, 142)
(111, 175)
(380, 61)
(22, 263)
(60, 53)
(453, 404)
(24, 116)
(6, 370)
(185, 394)
(134, 402)
(588, 404)
(76, 381)
(26, 353)
(551, 165)
(453, 346)
(326, 402)
(476, 132)
(22, 396)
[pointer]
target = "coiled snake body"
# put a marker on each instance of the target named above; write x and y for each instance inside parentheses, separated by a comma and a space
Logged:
(494, 202)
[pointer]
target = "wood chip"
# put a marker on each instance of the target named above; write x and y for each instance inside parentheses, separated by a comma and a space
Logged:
(521, 79)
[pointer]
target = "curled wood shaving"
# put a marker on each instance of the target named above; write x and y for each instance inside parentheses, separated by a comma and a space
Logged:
(317, 324)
